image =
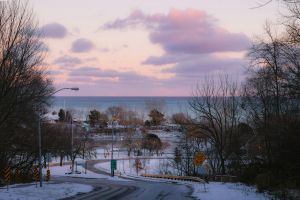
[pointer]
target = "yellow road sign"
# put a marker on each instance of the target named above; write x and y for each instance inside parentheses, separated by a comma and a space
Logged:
(47, 175)
(36, 174)
(18, 175)
(199, 158)
(7, 175)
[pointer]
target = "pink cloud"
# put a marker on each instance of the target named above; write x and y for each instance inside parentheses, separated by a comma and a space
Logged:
(189, 38)
(53, 30)
(107, 75)
(185, 31)
(82, 45)
(67, 61)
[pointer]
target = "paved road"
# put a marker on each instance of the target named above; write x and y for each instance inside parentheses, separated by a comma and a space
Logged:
(129, 189)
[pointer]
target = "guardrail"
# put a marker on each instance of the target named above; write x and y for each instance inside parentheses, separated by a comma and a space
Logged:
(171, 177)
(225, 178)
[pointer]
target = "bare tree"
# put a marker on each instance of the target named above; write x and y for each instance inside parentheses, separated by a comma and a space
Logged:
(216, 107)
(291, 49)
(265, 93)
(82, 146)
(191, 143)
(115, 111)
(131, 121)
(269, 100)
(179, 118)
(156, 117)
(23, 82)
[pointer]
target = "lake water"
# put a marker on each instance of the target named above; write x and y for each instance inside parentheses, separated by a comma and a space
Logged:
(142, 105)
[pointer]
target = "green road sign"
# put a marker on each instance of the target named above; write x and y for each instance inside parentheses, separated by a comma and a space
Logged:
(113, 164)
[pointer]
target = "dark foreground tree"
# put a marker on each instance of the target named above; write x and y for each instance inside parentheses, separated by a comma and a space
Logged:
(24, 87)
(272, 108)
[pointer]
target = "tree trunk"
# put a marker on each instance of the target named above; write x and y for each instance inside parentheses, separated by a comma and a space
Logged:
(61, 160)
(73, 163)
(223, 171)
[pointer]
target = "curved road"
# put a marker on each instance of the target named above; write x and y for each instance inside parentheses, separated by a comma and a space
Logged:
(127, 189)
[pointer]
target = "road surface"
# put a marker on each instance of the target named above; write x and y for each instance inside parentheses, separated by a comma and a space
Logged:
(128, 189)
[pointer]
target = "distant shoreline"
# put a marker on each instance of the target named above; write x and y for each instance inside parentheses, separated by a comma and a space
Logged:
(169, 105)
(126, 96)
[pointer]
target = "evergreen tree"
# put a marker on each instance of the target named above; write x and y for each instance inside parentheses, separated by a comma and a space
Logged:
(94, 117)
(62, 115)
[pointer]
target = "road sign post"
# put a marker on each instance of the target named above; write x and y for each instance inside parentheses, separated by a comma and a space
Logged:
(36, 174)
(201, 170)
(18, 176)
(113, 166)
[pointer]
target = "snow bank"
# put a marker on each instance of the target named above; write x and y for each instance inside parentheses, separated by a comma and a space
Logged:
(64, 170)
(116, 178)
(61, 171)
(47, 192)
(227, 191)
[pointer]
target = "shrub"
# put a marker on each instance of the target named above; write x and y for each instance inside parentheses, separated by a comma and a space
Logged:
(264, 181)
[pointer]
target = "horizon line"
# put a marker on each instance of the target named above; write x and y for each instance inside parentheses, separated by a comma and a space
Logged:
(113, 96)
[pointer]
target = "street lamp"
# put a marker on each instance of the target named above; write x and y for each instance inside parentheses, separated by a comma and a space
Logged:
(72, 143)
(73, 88)
(40, 136)
(112, 148)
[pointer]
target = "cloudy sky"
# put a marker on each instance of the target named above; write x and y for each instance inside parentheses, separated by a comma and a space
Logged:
(146, 47)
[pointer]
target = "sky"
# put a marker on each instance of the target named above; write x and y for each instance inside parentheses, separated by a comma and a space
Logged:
(146, 47)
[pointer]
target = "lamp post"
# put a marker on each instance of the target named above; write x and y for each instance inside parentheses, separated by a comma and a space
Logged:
(112, 147)
(40, 135)
(72, 143)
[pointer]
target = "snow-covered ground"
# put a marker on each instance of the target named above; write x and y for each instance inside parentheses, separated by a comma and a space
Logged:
(211, 191)
(105, 153)
(227, 191)
(151, 166)
(47, 192)
(65, 169)
(119, 153)
(171, 138)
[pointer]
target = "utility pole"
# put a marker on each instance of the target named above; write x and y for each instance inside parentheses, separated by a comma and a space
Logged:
(40, 149)
(112, 148)
(72, 158)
